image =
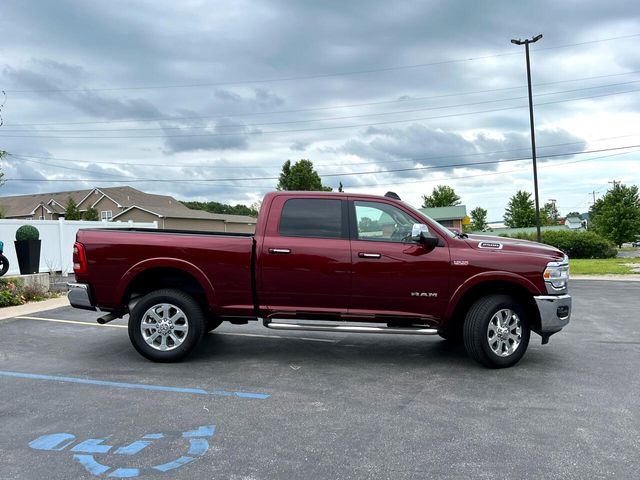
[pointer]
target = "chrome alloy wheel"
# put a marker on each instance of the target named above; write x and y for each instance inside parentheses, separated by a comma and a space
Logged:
(164, 327)
(504, 332)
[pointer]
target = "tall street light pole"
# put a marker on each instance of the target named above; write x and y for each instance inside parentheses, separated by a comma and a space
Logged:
(533, 131)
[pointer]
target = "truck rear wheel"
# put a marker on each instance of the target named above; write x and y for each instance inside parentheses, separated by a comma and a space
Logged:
(166, 325)
(496, 331)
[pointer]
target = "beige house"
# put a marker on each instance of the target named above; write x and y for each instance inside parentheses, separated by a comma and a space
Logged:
(124, 204)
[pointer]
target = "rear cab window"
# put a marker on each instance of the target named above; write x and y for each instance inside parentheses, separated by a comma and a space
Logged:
(314, 218)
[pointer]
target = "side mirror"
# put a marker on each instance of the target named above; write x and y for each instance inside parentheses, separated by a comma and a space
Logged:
(420, 234)
(416, 232)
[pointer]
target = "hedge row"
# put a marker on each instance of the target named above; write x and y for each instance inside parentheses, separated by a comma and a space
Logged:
(579, 244)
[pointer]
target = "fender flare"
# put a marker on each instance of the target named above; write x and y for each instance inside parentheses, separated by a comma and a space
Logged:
(485, 277)
(165, 262)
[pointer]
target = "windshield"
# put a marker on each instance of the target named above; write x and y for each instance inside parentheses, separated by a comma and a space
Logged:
(442, 229)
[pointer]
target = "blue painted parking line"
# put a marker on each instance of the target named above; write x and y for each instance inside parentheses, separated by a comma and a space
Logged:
(133, 448)
(140, 386)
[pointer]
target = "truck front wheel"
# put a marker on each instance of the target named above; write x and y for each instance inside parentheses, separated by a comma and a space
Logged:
(496, 331)
(166, 325)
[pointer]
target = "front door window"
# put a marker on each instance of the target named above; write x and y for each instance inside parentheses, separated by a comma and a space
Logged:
(380, 222)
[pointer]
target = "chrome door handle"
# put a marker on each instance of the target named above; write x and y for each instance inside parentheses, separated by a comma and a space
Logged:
(369, 255)
(280, 250)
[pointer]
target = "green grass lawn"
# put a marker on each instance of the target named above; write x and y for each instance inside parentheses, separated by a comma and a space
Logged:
(602, 266)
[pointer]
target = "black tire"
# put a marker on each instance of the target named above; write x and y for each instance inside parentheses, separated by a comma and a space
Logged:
(191, 315)
(213, 323)
(477, 340)
(4, 265)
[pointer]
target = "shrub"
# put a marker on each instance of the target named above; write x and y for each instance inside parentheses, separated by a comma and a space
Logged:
(14, 292)
(27, 232)
(10, 293)
(575, 244)
(34, 293)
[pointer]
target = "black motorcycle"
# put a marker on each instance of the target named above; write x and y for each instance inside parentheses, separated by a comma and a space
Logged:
(4, 261)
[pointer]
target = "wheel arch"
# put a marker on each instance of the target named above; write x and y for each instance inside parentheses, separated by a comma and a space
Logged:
(476, 288)
(158, 273)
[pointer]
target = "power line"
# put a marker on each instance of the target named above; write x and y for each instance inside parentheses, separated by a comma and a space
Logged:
(384, 162)
(315, 76)
(338, 127)
(336, 107)
(462, 177)
(270, 186)
(348, 174)
(377, 114)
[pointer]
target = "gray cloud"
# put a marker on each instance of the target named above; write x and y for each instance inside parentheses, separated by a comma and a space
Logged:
(299, 146)
(85, 45)
(46, 76)
(225, 134)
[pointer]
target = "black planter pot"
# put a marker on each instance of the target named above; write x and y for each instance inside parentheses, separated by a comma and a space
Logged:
(28, 253)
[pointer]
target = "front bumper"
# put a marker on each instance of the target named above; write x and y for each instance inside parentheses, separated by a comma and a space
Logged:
(79, 296)
(555, 311)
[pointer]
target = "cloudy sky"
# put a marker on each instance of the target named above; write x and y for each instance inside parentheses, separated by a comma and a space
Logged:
(205, 100)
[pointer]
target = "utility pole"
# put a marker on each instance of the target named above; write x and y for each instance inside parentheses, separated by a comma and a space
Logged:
(594, 196)
(526, 43)
(615, 183)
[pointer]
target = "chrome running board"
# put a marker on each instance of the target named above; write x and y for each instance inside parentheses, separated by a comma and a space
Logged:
(275, 324)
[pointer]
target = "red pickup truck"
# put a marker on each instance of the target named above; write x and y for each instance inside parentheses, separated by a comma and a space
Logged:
(325, 262)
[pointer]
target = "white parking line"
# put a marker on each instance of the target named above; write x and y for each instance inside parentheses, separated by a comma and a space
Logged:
(76, 322)
(93, 324)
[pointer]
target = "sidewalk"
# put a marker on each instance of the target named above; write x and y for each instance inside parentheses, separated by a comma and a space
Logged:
(33, 307)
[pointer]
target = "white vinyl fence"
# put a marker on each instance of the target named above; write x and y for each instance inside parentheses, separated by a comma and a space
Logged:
(58, 237)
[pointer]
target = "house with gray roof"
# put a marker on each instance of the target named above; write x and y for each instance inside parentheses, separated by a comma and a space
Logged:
(124, 204)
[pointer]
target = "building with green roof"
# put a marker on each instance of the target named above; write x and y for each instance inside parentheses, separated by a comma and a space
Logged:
(450, 217)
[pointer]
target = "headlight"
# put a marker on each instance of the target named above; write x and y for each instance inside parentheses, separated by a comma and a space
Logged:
(556, 275)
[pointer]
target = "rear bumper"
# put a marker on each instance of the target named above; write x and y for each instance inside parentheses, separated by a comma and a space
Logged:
(79, 296)
(555, 312)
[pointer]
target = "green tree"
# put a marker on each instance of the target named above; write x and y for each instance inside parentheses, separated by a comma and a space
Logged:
(71, 210)
(340, 188)
(91, 214)
(442, 196)
(479, 219)
(573, 214)
(549, 214)
(520, 211)
(300, 176)
(616, 216)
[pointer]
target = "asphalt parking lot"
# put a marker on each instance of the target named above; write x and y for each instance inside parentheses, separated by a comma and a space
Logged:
(78, 402)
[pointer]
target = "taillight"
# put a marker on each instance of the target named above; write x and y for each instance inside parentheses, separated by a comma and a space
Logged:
(79, 258)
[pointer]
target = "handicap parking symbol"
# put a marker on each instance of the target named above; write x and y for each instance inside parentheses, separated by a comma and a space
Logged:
(85, 451)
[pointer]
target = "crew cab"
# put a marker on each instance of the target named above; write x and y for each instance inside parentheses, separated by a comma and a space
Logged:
(325, 262)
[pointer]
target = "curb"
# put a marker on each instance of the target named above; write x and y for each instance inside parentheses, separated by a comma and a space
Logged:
(610, 278)
(33, 307)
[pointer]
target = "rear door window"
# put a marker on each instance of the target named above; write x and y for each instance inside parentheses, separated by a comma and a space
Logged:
(313, 217)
